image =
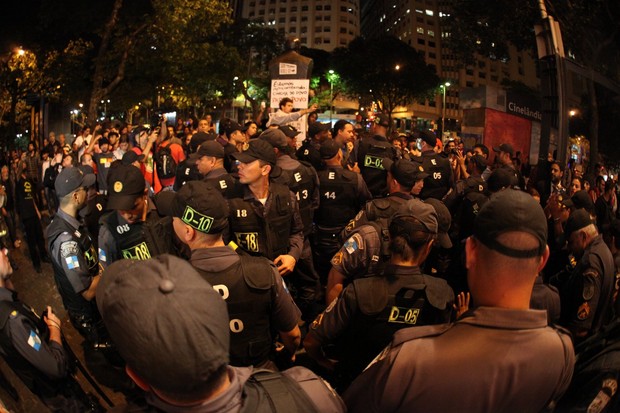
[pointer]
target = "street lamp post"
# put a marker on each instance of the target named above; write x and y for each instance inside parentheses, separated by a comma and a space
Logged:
(443, 106)
(331, 94)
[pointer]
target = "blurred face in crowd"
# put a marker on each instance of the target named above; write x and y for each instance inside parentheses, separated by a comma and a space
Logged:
(478, 151)
(575, 186)
(252, 129)
(345, 134)
(30, 147)
(5, 173)
(417, 188)
(134, 215)
(67, 161)
(578, 171)
(124, 146)
(556, 173)
(203, 125)
(87, 159)
(252, 172)
(205, 164)
(287, 107)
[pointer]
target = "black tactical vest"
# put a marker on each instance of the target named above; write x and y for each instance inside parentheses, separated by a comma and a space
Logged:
(339, 198)
(226, 184)
(371, 154)
(246, 286)
(300, 182)
(266, 236)
(387, 304)
(130, 241)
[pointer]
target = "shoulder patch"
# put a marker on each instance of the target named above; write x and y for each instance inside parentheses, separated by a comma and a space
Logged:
(68, 249)
(34, 340)
(337, 258)
(354, 243)
(72, 262)
(102, 256)
(584, 311)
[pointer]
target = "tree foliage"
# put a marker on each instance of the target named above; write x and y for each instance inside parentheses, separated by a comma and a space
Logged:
(389, 71)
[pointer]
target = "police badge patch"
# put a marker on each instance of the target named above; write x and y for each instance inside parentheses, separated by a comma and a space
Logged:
(68, 249)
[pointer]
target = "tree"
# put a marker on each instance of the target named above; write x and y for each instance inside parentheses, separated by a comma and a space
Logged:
(590, 33)
(389, 71)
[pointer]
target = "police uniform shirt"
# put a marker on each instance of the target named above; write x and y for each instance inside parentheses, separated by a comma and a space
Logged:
(586, 297)
(49, 358)
(284, 313)
(546, 297)
(490, 360)
(67, 254)
(359, 255)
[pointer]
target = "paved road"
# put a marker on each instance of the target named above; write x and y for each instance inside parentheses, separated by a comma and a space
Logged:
(39, 290)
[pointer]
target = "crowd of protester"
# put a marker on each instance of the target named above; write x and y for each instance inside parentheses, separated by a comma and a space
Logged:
(239, 269)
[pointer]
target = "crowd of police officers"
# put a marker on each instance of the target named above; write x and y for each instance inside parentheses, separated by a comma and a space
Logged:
(330, 247)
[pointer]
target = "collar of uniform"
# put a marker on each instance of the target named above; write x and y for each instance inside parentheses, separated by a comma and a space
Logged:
(6, 294)
(402, 195)
(216, 173)
(505, 318)
(213, 259)
(71, 220)
(403, 269)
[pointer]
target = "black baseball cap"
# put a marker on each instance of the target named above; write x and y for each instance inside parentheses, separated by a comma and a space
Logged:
(505, 147)
(317, 127)
(382, 119)
(258, 149)
(511, 210)
(578, 219)
(275, 137)
(444, 221)
(197, 204)
(329, 149)
(428, 137)
(289, 131)
(198, 138)
(167, 322)
(423, 212)
(130, 157)
(402, 170)
(125, 185)
(207, 148)
(70, 179)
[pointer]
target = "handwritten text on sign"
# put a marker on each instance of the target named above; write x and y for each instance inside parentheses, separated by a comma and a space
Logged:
(296, 89)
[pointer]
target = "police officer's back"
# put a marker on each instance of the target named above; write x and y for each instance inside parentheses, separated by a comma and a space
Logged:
(209, 161)
(370, 155)
(342, 194)
(440, 179)
(368, 312)
(251, 286)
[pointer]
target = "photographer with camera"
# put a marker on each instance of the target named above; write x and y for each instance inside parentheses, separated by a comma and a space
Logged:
(33, 348)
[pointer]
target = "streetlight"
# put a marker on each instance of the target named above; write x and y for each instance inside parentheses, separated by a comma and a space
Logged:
(331, 94)
(443, 107)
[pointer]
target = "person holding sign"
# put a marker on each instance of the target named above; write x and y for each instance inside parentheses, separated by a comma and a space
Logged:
(285, 115)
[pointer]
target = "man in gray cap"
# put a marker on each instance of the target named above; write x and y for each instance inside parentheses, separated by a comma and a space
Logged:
(370, 310)
(257, 301)
(586, 292)
(514, 361)
(74, 258)
(172, 328)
